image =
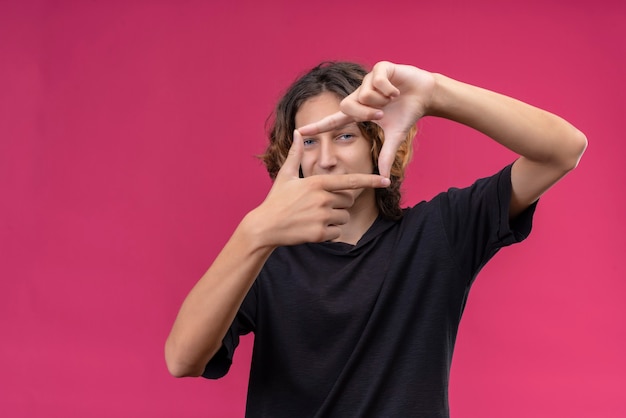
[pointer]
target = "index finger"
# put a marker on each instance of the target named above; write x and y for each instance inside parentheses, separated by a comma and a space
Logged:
(330, 122)
(336, 182)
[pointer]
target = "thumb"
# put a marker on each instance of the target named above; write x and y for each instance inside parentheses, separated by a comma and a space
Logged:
(291, 166)
(388, 152)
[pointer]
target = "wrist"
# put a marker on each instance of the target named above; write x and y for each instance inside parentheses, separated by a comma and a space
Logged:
(256, 231)
(437, 102)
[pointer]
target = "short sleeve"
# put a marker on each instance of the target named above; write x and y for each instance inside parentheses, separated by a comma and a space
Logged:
(243, 323)
(476, 221)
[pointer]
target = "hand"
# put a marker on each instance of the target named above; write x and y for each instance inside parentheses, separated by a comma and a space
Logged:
(311, 209)
(393, 96)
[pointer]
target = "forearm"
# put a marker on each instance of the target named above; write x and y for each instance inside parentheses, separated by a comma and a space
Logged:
(210, 307)
(294, 212)
(535, 134)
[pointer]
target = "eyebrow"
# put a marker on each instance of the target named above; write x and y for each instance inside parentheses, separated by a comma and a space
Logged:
(351, 125)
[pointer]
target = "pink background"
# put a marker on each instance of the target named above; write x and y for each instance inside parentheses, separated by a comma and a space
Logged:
(127, 139)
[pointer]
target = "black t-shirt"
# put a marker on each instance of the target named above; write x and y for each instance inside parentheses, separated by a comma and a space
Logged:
(368, 330)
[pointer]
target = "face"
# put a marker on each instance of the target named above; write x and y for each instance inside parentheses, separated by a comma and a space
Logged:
(341, 151)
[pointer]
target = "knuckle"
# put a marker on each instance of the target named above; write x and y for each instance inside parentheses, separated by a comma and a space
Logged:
(344, 217)
(345, 106)
(378, 80)
(320, 234)
(326, 200)
(368, 96)
(379, 66)
(363, 95)
(315, 182)
(353, 182)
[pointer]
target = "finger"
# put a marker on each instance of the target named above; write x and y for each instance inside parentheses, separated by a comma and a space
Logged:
(291, 166)
(380, 79)
(388, 152)
(369, 94)
(373, 98)
(342, 199)
(339, 217)
(334, 182)
(385, 160)
(334, 121)
(332, 232)
(360, 112)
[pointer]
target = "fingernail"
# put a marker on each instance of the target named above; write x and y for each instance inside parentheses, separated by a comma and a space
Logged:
(378, 114)
(385, 182)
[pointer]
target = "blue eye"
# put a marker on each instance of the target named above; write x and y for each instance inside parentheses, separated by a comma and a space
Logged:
(345, 137)
(308, 142)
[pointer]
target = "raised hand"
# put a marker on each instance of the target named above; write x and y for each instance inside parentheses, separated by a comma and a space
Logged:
(393, 96)
(311, 209)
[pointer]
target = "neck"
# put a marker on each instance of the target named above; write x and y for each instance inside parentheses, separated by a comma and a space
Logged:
(362, 215)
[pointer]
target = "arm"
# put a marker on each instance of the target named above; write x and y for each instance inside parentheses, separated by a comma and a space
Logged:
(396, 96)
(211, 306)
(295, 211)
(549, 146)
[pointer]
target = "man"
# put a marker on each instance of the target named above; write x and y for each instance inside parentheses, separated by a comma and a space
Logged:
(355, 303)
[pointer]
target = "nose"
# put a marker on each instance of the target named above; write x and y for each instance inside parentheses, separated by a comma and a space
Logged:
(327, 157)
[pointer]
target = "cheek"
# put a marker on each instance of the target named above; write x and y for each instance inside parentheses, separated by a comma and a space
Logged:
(364, 163)
(363, 156)
(306, 166)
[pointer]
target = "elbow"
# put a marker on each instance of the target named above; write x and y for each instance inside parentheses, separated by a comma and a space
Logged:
(579, 146)
(177, 365)
(573, 151)
(180, 369)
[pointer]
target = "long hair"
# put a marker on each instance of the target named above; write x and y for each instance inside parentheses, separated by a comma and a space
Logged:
(340, 78)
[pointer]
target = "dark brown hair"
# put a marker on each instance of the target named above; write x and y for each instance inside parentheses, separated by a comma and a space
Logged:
(340, 78)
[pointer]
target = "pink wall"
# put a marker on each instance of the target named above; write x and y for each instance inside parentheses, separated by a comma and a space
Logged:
(127, 139)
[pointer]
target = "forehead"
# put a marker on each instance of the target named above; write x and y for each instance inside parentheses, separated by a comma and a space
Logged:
(316, 108)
